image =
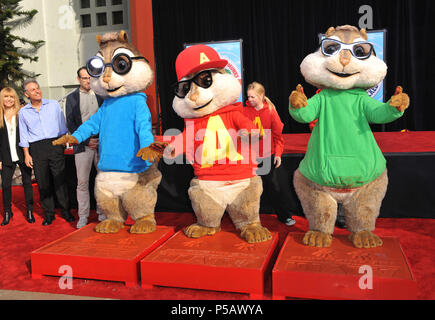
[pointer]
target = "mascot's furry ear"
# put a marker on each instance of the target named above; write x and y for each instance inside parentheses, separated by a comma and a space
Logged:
(123, 36)
(330, 32)
(363, 33)
(98, 39)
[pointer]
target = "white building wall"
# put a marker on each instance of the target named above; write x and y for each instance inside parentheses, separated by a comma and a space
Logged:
(67, 45)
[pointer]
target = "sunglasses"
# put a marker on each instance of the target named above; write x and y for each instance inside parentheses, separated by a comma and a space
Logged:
(121, 64)
(360, 50)
(203, 79)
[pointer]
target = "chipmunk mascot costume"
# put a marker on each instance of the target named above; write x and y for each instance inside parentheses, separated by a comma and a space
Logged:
(343, 163)
(125, 183)
(225, 176)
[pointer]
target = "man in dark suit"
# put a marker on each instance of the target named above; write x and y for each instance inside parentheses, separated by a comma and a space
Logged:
(81, 104)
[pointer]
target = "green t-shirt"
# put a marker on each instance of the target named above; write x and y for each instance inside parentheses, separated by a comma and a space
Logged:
(342, 151)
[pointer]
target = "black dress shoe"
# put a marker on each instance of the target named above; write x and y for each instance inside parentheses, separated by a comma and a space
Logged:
(48, 220)
(29, 217)
(340, 223)
(68, 216)
(7, 218)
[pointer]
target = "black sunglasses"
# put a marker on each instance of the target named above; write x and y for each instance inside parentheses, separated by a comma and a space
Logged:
(121, 64)
(203, 79)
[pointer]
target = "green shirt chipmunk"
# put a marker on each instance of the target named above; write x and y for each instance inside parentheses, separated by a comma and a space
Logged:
(343, 163)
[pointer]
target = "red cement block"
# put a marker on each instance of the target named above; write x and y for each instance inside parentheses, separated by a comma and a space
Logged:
(222, 262)
(99, 256)
(334, 273)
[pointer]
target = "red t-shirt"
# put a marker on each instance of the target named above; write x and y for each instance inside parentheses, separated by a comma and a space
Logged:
(212, 146)
(273, 141)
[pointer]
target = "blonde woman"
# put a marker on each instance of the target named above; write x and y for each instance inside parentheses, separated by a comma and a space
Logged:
(11, 155)
(276, 182)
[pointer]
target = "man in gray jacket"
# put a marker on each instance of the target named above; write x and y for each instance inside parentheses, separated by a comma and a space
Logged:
(81, 104)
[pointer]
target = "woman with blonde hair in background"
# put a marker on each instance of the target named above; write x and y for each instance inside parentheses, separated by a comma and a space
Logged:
(11, 155)
(277, 186)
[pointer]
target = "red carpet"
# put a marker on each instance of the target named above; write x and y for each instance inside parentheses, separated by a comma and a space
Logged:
(414, 141)
(407, 141)
(19, 238)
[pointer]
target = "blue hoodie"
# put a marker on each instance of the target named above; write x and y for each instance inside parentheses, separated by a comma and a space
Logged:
(124, 127)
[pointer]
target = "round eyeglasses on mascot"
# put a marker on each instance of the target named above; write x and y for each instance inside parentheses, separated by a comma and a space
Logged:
(126, 184)
(343, 163)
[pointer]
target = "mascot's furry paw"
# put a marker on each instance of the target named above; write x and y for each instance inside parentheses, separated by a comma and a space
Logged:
(197, 231)
(297, 98)
(153, 152)
(317, 239)
(109, 226)
(144, 225)
(365, 239)
(255, 232)
(399, 100)
(65, 139)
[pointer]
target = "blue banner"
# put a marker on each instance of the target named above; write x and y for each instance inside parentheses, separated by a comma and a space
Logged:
(377, 38)
(232, 52)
